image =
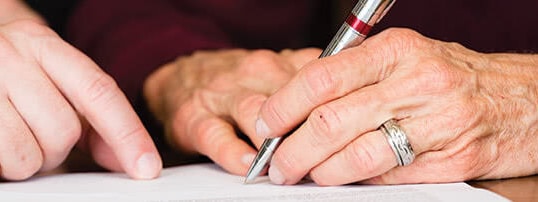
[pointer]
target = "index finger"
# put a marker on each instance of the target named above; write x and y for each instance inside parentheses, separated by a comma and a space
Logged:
(329, 78)
(96, 96)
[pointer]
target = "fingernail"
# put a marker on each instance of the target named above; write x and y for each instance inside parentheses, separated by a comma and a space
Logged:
(248, 158)
(148, 166)
(275, 175)
(262, 130)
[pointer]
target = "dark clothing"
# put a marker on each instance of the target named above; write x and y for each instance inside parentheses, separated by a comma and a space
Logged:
(130, 39)
(481, 25)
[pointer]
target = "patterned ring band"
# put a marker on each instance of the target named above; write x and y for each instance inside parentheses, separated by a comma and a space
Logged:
(398, 142)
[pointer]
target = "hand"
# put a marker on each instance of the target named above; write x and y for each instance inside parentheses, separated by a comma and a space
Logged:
(467, 115)
(52, 96)
(204, 99)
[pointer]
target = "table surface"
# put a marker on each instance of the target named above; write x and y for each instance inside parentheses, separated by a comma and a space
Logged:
(515, 189)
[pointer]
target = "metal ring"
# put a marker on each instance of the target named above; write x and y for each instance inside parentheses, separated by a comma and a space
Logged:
(398, 142)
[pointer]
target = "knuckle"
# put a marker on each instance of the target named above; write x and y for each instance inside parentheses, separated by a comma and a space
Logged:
(371, 101)
(273, 116)
(438, 77)
(260, 55)
(56, 149)
(289, 162)
(69, 135)
(362, 159)
(212, 141)
(30, 27)
(396, 43)
(402, 37)
(21, 33)
(178, 127)
(207, 136)
(101, 88)
(129, 135)
(222, 82)
(321, 83)
(396, 31)
(325, 123)
(258, 60)
(8, 51)
(246, 105)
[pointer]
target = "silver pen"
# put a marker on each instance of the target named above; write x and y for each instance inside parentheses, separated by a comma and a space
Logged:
(364, 15)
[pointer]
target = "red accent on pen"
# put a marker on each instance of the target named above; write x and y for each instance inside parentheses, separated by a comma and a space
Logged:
(358, 25)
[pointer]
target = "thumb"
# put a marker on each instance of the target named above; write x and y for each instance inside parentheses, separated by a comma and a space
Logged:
(321, 81)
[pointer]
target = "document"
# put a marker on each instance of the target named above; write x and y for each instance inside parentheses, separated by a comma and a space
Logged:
(208, 182)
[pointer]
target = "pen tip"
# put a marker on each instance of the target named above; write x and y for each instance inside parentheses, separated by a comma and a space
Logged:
(252, 173)
(249, 178)
(261, 159)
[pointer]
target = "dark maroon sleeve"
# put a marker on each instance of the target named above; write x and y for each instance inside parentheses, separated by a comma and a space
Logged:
(130, 39)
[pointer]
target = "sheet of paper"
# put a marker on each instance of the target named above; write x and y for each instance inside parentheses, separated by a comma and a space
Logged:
(207, 182)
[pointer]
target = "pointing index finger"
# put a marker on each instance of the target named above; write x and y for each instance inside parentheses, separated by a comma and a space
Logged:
(96, 96)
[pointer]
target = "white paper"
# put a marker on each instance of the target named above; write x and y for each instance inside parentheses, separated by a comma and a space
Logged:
(208, 182)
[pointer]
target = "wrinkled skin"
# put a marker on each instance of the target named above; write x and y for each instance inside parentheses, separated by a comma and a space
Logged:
(203, 98)
(467, 115)
(52, 97)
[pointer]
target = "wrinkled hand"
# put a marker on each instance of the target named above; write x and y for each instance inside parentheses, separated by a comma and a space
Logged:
(52, 96)
(467, 115)
(205, 98)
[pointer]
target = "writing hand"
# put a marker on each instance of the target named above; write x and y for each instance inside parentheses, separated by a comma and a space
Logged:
(466, 114)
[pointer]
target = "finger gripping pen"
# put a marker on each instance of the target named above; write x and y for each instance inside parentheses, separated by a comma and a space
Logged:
(362, 18)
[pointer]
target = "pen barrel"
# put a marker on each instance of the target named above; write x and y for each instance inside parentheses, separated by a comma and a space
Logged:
(371, 11)
(345, 37)
(364, 15)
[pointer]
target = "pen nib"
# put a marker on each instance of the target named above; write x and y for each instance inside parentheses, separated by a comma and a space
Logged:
(255, 169)
(262, 158)
(249, 179)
